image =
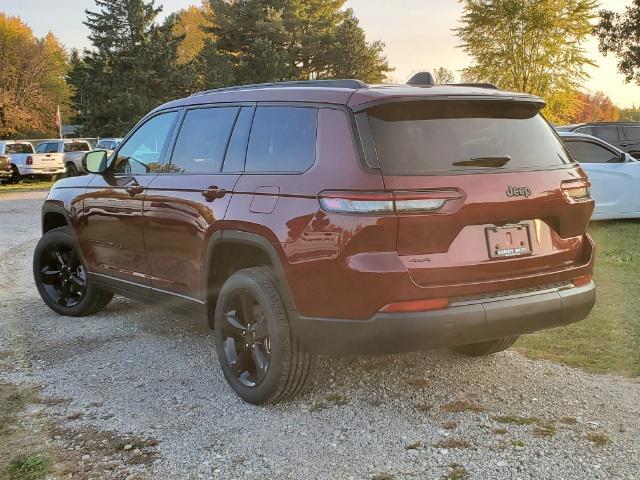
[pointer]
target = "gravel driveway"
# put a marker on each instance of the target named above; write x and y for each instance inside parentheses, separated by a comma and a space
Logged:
(142, 371)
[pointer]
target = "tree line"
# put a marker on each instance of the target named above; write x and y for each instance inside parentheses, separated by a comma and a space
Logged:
(137, 62)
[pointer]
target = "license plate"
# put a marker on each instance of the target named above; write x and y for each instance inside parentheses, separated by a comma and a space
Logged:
(508, 241)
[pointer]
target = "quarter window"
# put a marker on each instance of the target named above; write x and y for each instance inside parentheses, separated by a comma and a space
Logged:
(588, 152)
(202, 141)
(142, 152)
(283, 139)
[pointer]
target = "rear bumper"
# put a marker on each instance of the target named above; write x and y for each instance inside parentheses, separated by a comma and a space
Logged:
(43, 171)
(461, 323)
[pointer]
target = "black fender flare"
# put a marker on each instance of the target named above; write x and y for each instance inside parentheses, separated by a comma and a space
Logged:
(258, 241)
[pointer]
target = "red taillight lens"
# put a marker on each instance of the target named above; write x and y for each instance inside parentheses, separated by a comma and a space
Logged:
(386, 202)
(416, 305)
(29, 160)
(577, 190)
(584, 280)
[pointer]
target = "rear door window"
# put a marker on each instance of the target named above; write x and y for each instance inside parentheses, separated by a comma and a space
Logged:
(418, 138)
(283, 139)
(203, 140)
(589, 152)
(631, 133)
(608, 134)
(76, 147)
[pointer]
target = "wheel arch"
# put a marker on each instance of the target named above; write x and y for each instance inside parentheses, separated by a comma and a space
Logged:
(255, 249)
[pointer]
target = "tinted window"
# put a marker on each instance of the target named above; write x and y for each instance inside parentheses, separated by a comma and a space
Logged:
(631, 133)
(18, 148)
(234, 161)
(142, 152)
(456, 136)
(588, 152)
(203, 140)
(283, 139)
(585, 130)
(608, 134)
(76, 147)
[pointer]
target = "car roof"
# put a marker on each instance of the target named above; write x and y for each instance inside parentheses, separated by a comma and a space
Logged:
(590, 138)
(356, 95)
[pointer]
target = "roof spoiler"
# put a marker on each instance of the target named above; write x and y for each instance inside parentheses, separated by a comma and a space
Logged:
(425, 79)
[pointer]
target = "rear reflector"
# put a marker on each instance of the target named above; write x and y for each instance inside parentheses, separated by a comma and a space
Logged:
(386, 202)
(416, 306)
(577, 190)
(29, 160)
(584, 280)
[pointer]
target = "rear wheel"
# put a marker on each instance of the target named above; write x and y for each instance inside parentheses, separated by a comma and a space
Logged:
(61, 278)
(486, 348)
(15, 175)
(260, 358)
(72, 170)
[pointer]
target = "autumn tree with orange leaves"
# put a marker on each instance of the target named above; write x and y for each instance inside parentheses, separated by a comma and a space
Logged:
(32, 80)
(596, 107)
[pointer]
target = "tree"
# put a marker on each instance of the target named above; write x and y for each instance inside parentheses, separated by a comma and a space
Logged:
(443, 75)
(532, 46)
(274, 40)
(191, 26)
(595, 108)
(630, 114)
(131, 69)
(620, 34)
(32, 81)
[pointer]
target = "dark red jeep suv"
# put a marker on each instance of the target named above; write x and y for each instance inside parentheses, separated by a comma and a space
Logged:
(330, 217)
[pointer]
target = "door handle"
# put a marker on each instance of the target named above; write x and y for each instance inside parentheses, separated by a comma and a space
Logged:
(212, 193)
(134, 190)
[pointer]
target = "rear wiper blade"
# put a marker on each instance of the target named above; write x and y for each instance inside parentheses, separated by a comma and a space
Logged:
(490, 162)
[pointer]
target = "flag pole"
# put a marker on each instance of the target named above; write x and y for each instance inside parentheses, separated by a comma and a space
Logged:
(59, 121)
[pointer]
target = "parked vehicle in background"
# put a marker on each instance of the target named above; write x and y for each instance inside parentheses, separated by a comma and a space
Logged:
(25, 162)
(70, 151)
(614, 175)
(108, 144)
(5, 169)
(623, 135)
(338, 219)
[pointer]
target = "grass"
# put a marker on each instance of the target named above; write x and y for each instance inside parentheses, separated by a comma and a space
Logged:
(26, 186)
(609, 339)
(450, 443)
(463, 405)
(514, 420)
(458, 472)
(31, 467)
(599, 439)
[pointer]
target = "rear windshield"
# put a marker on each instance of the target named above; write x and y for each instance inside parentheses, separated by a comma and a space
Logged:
(414, 138)
(76, 147)
(18, 148)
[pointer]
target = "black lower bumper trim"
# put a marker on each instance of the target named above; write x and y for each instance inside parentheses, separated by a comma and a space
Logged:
(459, 324)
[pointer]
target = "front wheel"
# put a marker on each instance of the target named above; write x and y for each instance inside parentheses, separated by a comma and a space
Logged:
(260, 358)
(61, 278)
(486, 348)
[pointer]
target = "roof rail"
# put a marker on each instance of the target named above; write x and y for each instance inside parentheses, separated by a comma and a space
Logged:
(348, 84)
(473, 84)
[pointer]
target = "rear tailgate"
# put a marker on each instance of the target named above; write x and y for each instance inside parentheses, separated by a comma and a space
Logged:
(47, 162)
(489, 189)
(5, 164)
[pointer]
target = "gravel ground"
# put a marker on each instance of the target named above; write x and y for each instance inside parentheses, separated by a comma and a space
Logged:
(149, 372)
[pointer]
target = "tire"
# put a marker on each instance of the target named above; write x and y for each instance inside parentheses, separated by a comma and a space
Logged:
(61, 278)
(71, 170)
(486, 348)
(245, 342)
(15, 175)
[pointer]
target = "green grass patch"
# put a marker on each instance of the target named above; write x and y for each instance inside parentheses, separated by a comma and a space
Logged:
(609, 339)
(515, 420)
(32, 467)
(26, 186)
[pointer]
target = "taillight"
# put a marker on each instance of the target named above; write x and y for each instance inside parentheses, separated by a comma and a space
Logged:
(577, 190)
(29, 160)
(584, 280)
(386, 202)
(416, 305)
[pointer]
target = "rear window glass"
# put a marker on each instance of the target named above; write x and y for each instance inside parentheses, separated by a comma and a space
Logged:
(457, 136)
(18, 148)
(76, 147)
(283, 139)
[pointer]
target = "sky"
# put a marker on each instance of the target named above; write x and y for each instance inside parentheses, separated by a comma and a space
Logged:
(417, 33)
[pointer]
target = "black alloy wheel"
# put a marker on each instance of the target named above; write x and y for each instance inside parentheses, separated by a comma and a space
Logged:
(63, 276)
(245, 336)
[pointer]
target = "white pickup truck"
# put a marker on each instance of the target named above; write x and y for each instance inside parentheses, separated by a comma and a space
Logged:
(70, 152)
(24, 162)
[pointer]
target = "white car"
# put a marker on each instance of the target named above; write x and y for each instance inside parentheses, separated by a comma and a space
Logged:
(108, 144)
(614, 175)
(25, 162)
(69, 151)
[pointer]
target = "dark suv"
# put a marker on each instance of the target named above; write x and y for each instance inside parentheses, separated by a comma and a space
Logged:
(330, 218)
(624, 135)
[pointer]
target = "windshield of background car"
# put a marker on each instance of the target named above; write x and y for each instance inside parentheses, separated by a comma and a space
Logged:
(18, 148)
(426, 137)
(77, 147)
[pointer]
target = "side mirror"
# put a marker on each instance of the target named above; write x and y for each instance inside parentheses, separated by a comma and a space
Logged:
(96, 161)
